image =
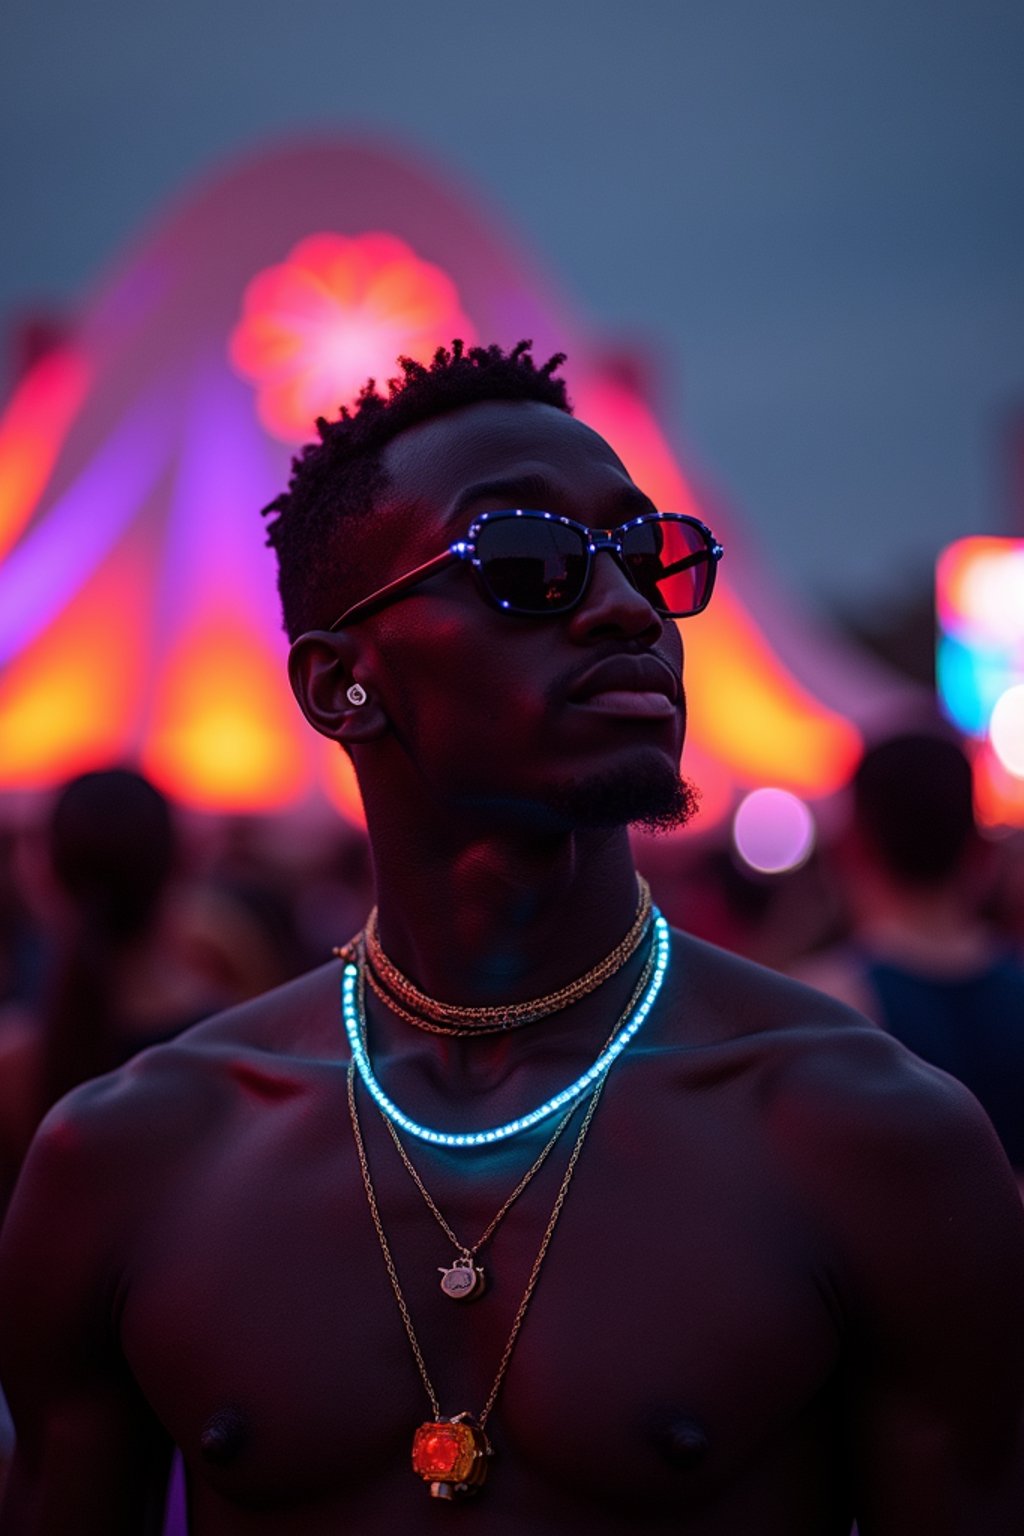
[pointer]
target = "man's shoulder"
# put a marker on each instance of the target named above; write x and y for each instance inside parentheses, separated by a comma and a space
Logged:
(727, 998)
(115, 1132)
(844, 1097)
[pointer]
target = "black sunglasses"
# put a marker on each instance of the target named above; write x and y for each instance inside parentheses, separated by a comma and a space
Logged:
(537, 563)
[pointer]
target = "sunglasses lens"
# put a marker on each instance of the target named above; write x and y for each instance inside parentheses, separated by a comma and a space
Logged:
(669, 561)
(531, 564)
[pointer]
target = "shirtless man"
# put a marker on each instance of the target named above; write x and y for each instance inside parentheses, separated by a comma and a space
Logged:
(784, 1288)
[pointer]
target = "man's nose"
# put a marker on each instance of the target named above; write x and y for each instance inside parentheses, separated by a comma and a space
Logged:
(612, 604)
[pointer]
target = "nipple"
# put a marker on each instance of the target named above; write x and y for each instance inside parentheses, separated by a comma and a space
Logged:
(224, 1435)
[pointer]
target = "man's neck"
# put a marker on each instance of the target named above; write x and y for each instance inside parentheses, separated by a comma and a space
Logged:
(501, 918)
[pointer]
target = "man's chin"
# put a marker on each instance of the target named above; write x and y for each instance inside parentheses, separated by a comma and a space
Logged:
(652, 797)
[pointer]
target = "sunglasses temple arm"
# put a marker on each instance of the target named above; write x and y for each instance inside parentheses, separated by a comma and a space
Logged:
(396, 588)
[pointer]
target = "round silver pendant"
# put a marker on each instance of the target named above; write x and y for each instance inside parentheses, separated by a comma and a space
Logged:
(463, 1280)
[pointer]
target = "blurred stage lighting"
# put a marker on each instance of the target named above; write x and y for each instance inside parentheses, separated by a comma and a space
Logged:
(773, 831)
(979, 605)
(979, 602)
(1006, 730)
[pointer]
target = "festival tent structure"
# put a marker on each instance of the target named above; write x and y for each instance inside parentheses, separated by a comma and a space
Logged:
(138, 616)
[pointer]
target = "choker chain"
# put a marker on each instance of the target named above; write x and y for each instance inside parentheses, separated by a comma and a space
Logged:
(405, 999)
(353, 1009)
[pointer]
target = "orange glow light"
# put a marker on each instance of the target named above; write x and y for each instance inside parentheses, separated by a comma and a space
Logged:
(32, 431)
(224, 734)
(747, 710)
(336, 312)
(68, 702)
(339, 781)
(998, 795)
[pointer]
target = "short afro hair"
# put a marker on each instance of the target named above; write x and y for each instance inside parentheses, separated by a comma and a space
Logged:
(340, 477)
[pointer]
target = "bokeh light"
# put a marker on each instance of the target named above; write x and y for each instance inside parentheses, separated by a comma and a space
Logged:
(1006, 730)
(338, 311)
(773, 831)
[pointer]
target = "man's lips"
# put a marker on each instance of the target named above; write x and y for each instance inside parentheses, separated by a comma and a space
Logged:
(628, 685)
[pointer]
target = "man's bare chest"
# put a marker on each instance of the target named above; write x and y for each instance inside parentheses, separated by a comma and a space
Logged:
(677, 1321)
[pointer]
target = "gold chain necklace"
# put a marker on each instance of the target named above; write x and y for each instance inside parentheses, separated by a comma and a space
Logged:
(464, 1279)
(402, 995)
(451, 1454)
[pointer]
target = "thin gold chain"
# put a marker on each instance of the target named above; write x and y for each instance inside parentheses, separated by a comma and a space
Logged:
(534, 1168)
(538, 1162)
(556, 1210)
(402, 994)
(385, 1248)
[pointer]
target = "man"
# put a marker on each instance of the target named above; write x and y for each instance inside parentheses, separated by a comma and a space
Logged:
(770, 1280)
(924, 963)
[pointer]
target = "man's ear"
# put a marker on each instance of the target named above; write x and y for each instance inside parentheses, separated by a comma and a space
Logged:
(337, 700)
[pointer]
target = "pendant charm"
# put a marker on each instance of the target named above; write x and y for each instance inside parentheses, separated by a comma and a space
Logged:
(463, 1280)
(451, 1455)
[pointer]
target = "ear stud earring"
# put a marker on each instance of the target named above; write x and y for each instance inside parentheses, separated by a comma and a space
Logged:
(356, 694)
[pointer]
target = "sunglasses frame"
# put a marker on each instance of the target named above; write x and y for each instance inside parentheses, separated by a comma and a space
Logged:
(594, 540)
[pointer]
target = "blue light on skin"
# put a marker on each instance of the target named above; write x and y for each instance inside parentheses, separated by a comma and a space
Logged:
(353, 1028)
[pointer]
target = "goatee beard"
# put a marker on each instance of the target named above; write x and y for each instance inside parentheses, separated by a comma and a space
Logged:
(653, 799)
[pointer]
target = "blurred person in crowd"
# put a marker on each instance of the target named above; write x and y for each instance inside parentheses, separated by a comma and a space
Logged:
(1006, 903)
(923, 961)
(706, 888)
(20, 949)
(634, 1236)
(117, 982)
(274, 894)
(240, 932)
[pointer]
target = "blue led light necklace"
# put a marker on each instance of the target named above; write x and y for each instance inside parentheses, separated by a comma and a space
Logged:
(354, 1015)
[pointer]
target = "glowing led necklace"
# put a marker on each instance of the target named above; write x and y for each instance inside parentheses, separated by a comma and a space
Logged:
(354, 1016)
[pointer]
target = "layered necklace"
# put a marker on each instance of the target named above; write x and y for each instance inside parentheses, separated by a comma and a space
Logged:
(406, 1000)
(353, 1011)
(451, 1453)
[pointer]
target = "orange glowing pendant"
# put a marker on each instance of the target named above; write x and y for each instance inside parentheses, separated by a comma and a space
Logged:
(451, 1455)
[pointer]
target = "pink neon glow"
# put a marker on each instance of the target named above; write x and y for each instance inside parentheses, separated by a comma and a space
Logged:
(32, 431)
(337, 311)
(773, 831)
(63, 548)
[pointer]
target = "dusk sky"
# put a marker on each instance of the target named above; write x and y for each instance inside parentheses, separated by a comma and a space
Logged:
(808, 215)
